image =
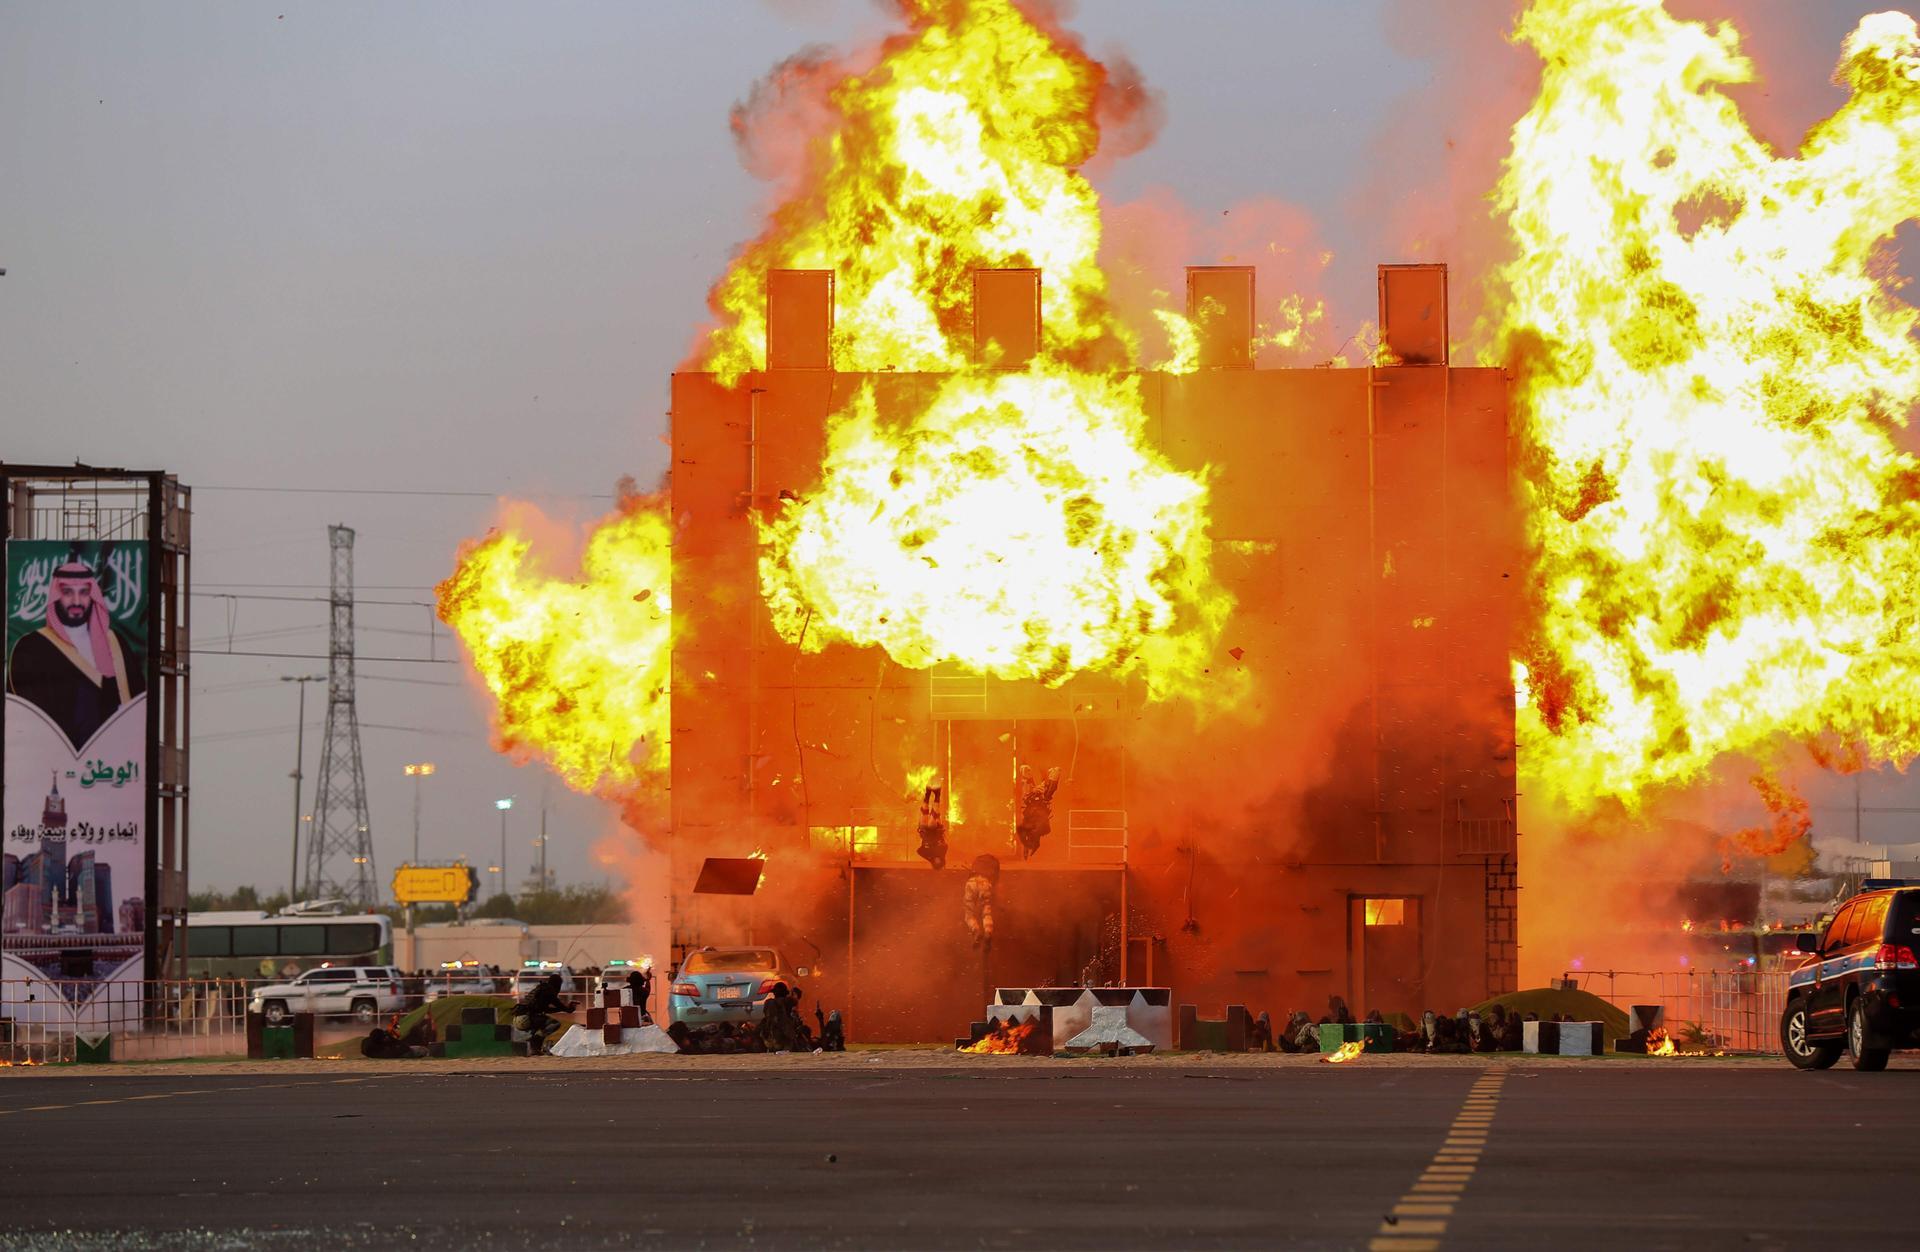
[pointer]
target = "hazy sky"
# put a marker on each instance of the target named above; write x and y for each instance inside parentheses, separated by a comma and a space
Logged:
(459, 248)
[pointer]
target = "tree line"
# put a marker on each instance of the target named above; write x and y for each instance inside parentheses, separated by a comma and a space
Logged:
(577, 905)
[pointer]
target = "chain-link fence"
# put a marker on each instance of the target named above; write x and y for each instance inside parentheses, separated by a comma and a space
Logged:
(1706, 1010)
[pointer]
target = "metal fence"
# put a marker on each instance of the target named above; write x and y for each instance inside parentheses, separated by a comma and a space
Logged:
(1713, 1010)
(43, 1021)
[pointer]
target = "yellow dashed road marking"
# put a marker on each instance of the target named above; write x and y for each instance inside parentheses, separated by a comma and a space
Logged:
(1419, 1221)
(168, 1095)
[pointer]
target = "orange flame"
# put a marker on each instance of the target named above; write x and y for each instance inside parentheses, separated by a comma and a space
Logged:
(1345, 1052)
(1002, 1040)
(578, 668)
(1713, 369)
(1017, 525)
(1020, 525)
(1659, 1043)
(961, 148)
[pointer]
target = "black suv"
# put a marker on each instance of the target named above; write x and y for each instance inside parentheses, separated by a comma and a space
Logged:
(1860, 990)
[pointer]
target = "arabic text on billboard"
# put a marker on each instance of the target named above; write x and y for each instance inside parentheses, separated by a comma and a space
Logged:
(73, 903)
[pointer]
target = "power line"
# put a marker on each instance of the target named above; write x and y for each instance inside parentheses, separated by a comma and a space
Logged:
(324, 587)
(218, 735)
(319, 656)
(256, 684)
(417, 730)
(254, 636)
(411, 491)
(261, 731)
(229, 595)
(401, 630)
(242, 685)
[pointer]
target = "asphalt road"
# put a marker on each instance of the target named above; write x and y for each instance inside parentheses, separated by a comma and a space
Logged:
(1640, 1156)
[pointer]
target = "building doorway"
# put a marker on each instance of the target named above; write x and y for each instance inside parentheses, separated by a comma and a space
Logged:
(1388, 965)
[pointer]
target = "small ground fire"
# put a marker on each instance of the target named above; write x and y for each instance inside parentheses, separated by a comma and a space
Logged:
(1004, 1039)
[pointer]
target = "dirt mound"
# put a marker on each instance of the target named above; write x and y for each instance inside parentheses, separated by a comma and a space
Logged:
(1548, 1002)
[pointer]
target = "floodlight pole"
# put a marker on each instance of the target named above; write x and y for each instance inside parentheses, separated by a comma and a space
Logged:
(299, 755)
(503, 806)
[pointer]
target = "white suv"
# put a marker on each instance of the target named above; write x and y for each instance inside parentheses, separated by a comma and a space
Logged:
(533, 973)
(363, 992)
(461, 980)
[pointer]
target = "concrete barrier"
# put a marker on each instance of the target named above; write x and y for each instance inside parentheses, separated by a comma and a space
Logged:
(1372, 1036)
(1563, 1038)
(290, 1042)
(1226, 1034)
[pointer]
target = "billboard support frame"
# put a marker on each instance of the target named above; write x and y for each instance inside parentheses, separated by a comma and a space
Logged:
(163, 509)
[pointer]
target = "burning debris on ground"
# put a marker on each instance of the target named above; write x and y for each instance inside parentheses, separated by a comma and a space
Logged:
(1007, 1037)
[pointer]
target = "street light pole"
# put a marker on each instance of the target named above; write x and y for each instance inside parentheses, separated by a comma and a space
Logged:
(299, 755)
(501, 869)
(417, 772)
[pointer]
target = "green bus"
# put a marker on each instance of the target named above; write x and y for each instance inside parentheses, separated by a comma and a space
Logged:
(262, 945)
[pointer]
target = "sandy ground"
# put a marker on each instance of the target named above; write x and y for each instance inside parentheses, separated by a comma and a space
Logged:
(867, 1059)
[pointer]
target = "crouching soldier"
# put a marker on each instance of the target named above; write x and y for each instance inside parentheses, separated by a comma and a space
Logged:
(780, 1028)
(1304, 1033)
(531, 1014)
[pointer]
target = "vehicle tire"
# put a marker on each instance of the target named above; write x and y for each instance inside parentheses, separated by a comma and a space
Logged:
(364, 1011)
(1864, 1058)
(1802, 1052)
(275, 1012)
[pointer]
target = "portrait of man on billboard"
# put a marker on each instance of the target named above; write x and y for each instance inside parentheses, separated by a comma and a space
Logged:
(75, 668)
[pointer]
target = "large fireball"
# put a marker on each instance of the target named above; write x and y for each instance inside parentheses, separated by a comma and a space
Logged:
(959, 149)
(1712, 375)
(1020, 526)
(578, 667)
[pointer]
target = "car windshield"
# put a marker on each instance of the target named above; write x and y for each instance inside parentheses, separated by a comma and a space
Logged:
(731, 961)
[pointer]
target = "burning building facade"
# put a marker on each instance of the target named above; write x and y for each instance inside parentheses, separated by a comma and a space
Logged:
(1330, 813)
(1226, 666)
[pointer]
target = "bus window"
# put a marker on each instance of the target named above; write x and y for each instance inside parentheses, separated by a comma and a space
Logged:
(303, 940)
(256, 941)
(357, 940)
(209, 941)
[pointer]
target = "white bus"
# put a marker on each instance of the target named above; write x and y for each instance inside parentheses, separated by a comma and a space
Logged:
(275, 945)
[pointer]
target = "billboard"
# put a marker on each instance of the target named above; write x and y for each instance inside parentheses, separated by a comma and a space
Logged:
(73, 903)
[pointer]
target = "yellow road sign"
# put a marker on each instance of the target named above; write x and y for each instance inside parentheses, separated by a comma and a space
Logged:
(433, 884)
